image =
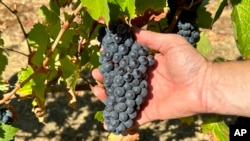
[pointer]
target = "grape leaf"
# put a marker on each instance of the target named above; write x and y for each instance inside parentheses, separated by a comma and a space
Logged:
(7, 132)
(89, 57)
(4, 86)
(204, 19)
(126, 6)
(204, 45)
(98, 116)
(49, 17)
(39, 87)
(86, 28)
(4, 61)
(142, 5)
(38, 38)
(98, 10)
(1, 42)
(70, 76)
(25, 90)
(241, 17)
(216, 129)
(54, 7)
(221, 5)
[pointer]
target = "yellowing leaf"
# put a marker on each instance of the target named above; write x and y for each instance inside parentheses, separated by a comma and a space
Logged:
(216, 129)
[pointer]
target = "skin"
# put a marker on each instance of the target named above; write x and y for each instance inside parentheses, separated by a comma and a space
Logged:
(183, 83)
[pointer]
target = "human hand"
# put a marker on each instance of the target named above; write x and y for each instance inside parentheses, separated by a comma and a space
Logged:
(175, 81)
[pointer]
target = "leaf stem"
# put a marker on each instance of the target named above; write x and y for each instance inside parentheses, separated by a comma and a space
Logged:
(64, 27)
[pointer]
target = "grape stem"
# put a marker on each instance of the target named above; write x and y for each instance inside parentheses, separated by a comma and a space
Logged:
(175, 19)
(64, 27)
(15, 12)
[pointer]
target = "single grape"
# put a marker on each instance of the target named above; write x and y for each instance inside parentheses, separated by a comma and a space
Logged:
(118, 80)
(117, 57)
(120, 107)
(123, 116)
(119, 91)
(114, 115)
(128, 77)
(136, 89)
(130, 103)
(128, 123)
(139, 100)
(130, 94)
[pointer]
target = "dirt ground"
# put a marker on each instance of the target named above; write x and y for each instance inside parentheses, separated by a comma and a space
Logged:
(64, 123)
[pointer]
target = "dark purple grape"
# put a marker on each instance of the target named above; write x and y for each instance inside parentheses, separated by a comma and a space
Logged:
(120, 107)
(130, 95)
(134, 63)
(128, 77)
(117, 57)
(123, 116)
(128, 123)
(114, 115)
(118, 80)
(130, 103)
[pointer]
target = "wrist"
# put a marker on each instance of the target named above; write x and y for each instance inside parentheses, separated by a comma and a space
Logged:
(206, 97)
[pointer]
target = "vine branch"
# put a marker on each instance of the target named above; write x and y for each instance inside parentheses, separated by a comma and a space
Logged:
(6, 97)
(64, 27)
(15, 12)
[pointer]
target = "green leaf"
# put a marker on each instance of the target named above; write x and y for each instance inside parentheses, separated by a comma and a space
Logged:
(86, 28)
(204, 19)
(39, 88)
(241, 21)
(216, 129)
(4, 86)
(49, 17)
(97, 9)
(54, 7)
(142, 5)
(98, 116)
(67, 67)
(1, 42)
(66, 41)
(7, 132)
(25, 90)
(38, 38)
(221, 5)
(90, 57)
(126, 6)
(204, 45)
(4, 61)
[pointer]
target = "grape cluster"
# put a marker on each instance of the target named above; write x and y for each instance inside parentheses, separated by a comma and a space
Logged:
(124, 63)
(6, 116)
(186, 27)
(186, 23)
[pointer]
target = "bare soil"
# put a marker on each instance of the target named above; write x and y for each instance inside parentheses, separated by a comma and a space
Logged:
(64, 123)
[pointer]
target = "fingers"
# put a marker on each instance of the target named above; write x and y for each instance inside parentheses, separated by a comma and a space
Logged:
(99, 92)
(157, 41)
(97, 75)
